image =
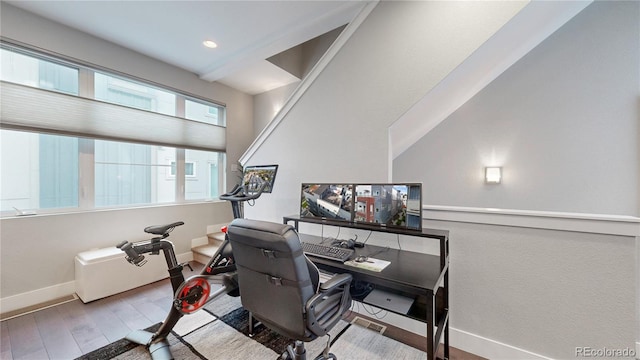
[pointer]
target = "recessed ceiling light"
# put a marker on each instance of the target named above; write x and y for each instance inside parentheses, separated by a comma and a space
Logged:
(210, 44)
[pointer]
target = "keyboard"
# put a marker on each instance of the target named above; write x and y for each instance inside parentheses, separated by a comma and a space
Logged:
(327, 252)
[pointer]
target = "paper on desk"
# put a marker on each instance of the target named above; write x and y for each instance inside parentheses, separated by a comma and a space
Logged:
(371, 264)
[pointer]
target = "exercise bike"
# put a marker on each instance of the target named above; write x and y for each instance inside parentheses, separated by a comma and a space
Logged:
(192, 294)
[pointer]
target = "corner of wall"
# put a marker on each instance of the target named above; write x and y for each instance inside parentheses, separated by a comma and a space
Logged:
(308, 80)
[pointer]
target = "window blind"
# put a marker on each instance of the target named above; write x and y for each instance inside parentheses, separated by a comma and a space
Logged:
(32, 109)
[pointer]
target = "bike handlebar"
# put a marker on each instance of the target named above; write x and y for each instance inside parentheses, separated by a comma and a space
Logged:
(132, 256)
(239, 194)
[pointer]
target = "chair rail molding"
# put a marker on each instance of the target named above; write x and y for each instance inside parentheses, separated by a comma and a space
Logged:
(563, 221)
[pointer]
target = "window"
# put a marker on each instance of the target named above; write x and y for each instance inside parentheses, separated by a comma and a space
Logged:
(123, 92)
(132, 174)
(189, 169)
(26, 70)
(207, 113)
(41, 171)
(207, 184)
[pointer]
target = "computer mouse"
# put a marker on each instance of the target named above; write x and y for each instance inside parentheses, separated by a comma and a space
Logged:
(361, 258)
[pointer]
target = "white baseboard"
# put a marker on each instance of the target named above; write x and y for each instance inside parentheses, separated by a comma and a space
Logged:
(35, 297)
(488, 348)
(49, 293)
(459, 339)
(184, 257)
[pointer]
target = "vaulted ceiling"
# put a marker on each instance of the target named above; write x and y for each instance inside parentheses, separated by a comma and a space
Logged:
(246, 32)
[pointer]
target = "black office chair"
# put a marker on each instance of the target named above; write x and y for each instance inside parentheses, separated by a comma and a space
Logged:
(280, 286)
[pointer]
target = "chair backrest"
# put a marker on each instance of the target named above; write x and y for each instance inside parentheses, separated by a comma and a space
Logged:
(275, 277)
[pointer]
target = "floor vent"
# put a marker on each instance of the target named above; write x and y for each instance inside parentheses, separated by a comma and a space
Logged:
(369, 324)
(28, 310)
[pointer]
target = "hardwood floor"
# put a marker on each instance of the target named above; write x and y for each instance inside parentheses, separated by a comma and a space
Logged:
(416, 340)
(68, 330)
(71, 329)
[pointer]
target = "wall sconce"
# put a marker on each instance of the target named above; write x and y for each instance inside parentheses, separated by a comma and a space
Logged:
(492, 175)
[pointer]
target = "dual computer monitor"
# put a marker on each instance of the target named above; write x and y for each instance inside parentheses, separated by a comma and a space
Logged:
(390, 205)
(397, 205)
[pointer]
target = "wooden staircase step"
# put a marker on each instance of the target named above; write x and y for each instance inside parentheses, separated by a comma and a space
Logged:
(207, 250)
(216, 237)
(203, 253)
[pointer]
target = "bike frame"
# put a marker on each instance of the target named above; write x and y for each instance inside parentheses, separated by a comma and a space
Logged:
(219, 270)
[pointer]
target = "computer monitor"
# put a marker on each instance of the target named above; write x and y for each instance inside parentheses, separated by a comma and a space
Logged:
(327, 201)
(390, 205)
(254, 176)
(396, 205)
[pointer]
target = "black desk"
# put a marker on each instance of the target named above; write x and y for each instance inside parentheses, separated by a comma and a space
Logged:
(423, 277)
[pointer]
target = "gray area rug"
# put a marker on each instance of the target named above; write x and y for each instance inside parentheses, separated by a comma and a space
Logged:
(220, 331)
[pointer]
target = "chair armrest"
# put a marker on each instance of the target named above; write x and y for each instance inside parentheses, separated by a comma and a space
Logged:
(325, 308)
(335, 281)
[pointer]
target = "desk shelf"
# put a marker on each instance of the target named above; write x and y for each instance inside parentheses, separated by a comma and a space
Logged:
(423, 277)
(418, 310)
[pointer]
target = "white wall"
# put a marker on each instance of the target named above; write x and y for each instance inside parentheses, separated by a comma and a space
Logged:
(337, 131)
(563, 113)
(37, 252)
(542, 291)
(267, 104)
(562, 122)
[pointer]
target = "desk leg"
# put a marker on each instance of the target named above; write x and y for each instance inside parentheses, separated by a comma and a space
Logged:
(431, 314)
(446, 306)
(446, 342)
(295, 223)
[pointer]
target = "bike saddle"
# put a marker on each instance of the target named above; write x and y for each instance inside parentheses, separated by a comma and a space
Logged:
(162, 229)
